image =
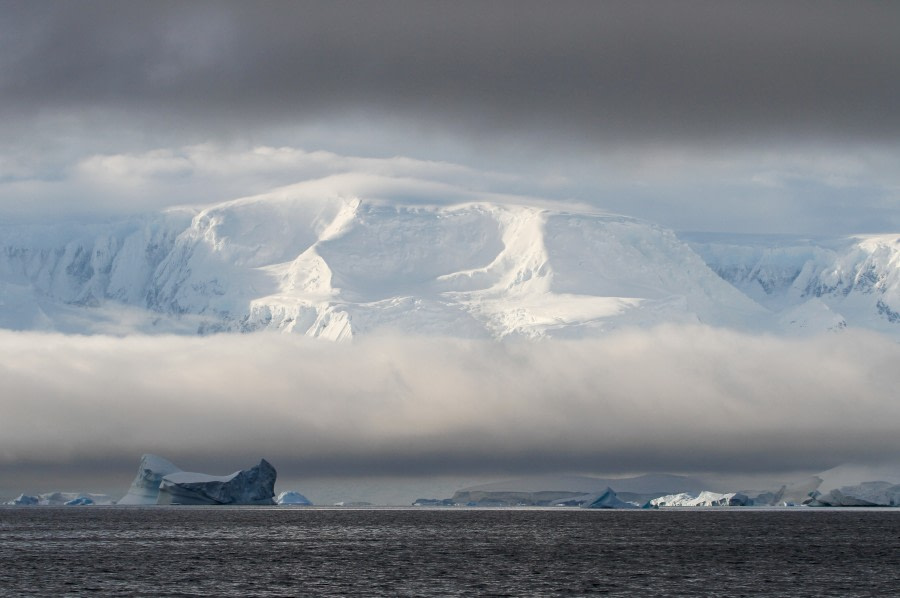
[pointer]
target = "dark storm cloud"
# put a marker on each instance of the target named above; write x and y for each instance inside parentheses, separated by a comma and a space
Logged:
(597, 72)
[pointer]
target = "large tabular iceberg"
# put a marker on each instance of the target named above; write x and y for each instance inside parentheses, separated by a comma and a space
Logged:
(160, 482)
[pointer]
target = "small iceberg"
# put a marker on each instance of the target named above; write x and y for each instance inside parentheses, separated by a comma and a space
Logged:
(291, 497)
(608, 500)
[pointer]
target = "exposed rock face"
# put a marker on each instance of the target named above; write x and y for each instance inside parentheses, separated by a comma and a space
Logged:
(254, 486)
(144, 489)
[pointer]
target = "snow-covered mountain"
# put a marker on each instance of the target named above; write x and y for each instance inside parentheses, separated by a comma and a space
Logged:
(326, 262)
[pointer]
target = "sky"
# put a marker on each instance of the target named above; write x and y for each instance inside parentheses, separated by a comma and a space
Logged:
(750, 117)
(698, 115)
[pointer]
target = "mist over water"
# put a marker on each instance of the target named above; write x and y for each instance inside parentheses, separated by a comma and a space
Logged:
(682, 399)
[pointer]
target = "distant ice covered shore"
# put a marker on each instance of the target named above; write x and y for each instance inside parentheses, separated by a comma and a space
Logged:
(159, 482)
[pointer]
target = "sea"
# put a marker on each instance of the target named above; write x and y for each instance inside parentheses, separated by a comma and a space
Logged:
(285, 551)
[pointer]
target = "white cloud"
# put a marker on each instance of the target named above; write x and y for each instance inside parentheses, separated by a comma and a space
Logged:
(822, 190)
(118, 184)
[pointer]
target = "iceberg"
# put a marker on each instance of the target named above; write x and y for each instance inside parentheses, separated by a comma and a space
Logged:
(54, 499)
(865, 494)
(25, 499)
(81, 501)
(291, 497)
(848, 485)
(254, 486)
(144, 489)
(704, 499)
(798, 493)
(159, 482)
(608, 500)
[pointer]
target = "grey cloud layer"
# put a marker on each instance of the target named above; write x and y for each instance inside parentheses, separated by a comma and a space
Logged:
(597, 72)
(721, 115)
(675, 398)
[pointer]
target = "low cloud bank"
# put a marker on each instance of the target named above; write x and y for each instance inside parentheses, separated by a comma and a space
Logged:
(687, 399)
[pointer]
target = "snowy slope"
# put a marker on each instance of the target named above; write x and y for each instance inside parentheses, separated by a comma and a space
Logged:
(347, 256)
(337, 265)
(813, 284)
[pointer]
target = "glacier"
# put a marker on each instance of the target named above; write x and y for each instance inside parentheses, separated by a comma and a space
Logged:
(159, 482)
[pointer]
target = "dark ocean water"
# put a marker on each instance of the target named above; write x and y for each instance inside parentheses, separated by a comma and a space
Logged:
(197, 551)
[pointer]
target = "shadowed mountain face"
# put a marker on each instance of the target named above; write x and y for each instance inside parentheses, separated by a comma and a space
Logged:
(335, 266)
